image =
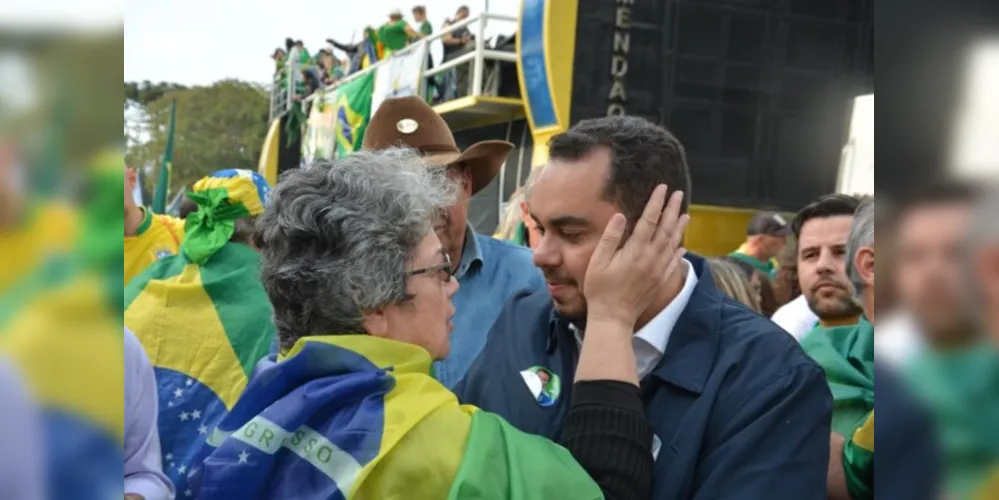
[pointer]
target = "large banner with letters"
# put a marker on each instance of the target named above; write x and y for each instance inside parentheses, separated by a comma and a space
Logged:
(400, 74)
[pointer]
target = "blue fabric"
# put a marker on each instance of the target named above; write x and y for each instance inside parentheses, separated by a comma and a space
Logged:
(490, 272)
(740, 409)
(329, 389)
(908, 453)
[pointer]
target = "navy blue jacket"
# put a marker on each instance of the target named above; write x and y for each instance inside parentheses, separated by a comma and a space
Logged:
(741, 411)
(907, 460)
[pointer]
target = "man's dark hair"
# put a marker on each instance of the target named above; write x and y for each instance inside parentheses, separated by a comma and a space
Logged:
(830, 205)
(643, 155)
(419, 9)
(930, 194)
(462, 8)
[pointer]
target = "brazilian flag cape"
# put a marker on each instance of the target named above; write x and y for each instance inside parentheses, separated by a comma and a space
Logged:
(204, 326)
(359, 417)
(846, 354)
(60, 327)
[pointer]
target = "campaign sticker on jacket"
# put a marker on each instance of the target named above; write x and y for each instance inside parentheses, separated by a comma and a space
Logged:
(544, 385)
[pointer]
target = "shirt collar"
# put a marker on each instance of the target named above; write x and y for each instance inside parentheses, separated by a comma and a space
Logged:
(657, 331)
(471, 253)
(147, 220)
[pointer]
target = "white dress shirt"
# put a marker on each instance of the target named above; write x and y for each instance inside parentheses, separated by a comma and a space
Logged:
(796, 317)
(898, 339)
(650, 341)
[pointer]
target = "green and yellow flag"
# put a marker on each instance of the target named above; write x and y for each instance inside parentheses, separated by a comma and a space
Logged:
(352, 102)
(203, 316)
(359, 417)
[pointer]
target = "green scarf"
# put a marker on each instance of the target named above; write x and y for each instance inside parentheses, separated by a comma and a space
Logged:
(846, 353)
(961, 387)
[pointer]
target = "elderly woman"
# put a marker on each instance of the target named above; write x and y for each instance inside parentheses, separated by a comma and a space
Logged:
(361, 291)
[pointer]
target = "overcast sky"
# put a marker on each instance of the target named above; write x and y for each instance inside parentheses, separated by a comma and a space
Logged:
(202, 41)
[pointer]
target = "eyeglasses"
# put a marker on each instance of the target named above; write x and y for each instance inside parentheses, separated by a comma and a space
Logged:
(444, 269)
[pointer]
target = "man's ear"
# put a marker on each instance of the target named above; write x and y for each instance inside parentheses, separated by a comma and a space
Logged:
(864, 262)
(985, 265)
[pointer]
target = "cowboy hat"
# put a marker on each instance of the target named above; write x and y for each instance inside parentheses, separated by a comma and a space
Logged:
(411, 122)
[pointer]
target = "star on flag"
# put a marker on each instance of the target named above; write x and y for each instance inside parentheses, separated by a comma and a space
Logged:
(184, 416)
(203, 429)
(190, 382)
(196, 414)
(243, 457)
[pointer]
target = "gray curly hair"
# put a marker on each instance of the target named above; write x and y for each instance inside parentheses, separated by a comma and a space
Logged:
(337, 237)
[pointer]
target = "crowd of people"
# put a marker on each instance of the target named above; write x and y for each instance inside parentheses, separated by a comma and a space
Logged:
(348, 334)
(325, 68)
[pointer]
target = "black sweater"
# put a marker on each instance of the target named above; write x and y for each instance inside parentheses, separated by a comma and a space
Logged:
(607, 432)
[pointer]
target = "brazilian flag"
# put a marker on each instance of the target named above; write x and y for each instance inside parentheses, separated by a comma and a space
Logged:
(352, 103)
(203, 317)
(60, 328)
(358, 417)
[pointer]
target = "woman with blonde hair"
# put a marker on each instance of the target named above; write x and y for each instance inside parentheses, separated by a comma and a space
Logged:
(732, 281)
(516, 225)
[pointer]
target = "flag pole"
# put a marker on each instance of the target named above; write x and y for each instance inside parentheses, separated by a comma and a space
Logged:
(166, 165)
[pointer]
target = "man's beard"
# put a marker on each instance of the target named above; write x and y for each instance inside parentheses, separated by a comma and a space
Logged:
(840, 308)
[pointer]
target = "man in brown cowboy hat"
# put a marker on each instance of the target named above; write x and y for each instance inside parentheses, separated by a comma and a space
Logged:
(489, 271)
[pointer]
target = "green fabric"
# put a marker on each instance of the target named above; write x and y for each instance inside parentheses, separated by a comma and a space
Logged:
(162, 269)
(426, 28)
(209, 229)
(231, 278)
(393, 36)
(520, 235)
(501, 462)
(765, 267)
(304, 59)
(846, 353)
(961, 388)
(858, 461)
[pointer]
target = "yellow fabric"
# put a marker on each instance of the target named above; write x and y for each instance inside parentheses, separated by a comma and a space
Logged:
(161, 238)
(69, 348)
(425, 429)
(149, 317)
(864, 435)
(241, 189)
(989, 490)
(50, 229)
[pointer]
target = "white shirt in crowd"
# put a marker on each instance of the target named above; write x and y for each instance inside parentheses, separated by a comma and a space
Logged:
(796, 317)
(650, 341)
(898, 339)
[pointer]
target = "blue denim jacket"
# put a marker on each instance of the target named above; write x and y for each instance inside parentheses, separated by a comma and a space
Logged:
(490, 272)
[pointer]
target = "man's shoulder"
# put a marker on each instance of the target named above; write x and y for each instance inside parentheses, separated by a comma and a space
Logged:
(506, 253)
(749, 339)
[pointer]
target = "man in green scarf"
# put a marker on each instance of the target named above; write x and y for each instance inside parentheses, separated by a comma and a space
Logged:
(957, 371)
(821, 229)
(910, 465)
